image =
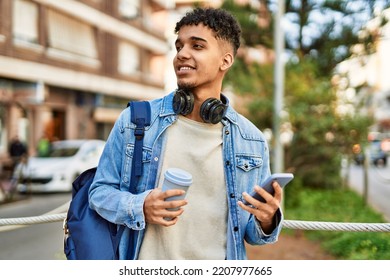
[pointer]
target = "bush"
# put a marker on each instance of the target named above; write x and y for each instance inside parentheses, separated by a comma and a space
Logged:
(341, 205)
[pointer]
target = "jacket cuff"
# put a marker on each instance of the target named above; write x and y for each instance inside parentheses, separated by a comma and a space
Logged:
(135, 211)
(276, 223)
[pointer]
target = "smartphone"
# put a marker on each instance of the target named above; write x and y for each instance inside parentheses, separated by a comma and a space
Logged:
(282, 178)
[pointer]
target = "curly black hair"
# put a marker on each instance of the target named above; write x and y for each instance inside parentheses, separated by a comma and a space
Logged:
(220, 21)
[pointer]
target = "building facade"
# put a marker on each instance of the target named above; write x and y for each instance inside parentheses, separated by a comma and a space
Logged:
(68, 68)
(365, 83)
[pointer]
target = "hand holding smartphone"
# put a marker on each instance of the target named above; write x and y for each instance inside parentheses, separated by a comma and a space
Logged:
(282, 178)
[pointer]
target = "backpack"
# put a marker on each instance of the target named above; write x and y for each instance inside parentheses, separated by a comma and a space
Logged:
(88, 236)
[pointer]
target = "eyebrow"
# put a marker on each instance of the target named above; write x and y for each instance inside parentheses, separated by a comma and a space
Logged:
(193, 38)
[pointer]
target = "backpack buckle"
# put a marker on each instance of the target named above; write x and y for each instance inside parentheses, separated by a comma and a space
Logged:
(139, 133)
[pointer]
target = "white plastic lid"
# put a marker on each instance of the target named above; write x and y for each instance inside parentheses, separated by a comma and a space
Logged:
(178, 176)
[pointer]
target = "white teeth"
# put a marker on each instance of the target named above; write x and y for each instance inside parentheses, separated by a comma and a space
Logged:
(185, 68)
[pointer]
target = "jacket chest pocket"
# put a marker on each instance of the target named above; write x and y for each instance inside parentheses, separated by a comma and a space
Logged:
(248, 169)
(248, 162)
(146, 153)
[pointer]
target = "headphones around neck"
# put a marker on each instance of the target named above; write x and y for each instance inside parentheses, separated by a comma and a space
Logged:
(212, 110)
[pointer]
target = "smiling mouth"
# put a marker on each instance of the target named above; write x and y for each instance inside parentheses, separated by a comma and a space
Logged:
(184, 69)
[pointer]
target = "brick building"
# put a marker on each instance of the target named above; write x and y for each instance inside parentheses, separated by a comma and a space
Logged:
(68, 68)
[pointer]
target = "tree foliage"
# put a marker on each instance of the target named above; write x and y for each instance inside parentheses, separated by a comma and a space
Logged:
(249, 17)
(326, 29)
(321, 135)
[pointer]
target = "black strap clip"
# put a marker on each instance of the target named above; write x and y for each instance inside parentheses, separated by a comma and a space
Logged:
(139, 131)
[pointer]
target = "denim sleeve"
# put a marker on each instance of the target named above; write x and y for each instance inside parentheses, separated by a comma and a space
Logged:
(255, 234)
(107, 196)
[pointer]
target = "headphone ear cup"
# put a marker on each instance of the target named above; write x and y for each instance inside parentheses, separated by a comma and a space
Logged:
(212, 110)
(217, 113)
(183, 102)
(205, 109)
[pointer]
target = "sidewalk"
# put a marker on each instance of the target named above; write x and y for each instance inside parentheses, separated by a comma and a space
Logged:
(5, 186)
(289, 247)
(5, 192)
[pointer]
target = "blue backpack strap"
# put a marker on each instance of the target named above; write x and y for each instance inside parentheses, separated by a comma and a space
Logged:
(140, 116)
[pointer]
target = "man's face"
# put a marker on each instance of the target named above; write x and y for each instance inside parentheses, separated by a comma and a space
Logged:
(199, 58)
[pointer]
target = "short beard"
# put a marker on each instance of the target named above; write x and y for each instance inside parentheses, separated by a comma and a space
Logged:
(186, 87)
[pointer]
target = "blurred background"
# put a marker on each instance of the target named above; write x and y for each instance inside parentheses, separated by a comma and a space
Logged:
(69, 67)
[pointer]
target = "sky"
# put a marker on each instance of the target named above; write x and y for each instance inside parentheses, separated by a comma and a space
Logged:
(319, 17)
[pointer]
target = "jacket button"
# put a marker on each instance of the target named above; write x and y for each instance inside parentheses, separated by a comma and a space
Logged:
(235, 229)
(227, 132)
(232, 195)
(227, 162)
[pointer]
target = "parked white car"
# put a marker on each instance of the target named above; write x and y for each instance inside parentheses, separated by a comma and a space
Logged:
(56, 172)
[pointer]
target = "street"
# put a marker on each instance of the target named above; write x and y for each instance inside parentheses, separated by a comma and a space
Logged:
(378, 186)
(35, 242)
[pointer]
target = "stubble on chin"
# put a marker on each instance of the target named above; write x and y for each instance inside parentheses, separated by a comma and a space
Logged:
(186, 86)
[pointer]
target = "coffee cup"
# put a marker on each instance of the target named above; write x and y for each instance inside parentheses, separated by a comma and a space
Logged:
(176, 178)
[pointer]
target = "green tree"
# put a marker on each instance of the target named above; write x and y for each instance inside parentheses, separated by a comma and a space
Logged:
(321, 135)
(326, 29)
(256, 23)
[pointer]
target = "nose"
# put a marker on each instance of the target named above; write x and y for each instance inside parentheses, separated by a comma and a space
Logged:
(183, 53)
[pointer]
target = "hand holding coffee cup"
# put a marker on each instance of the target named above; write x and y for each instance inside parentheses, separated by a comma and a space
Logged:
(176, 178)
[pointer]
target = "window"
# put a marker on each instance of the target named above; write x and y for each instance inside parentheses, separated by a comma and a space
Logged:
(129, 59)
(69, 35)
(2, 15)
(129, 8)
(3, 130)
(25, 21)
(158, 68)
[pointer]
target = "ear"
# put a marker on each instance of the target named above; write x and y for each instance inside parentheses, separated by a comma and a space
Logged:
(227, 61)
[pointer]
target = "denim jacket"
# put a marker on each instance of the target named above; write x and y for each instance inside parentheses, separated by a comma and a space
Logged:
(246, 164)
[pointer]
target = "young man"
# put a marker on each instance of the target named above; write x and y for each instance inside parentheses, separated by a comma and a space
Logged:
(195, 129)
